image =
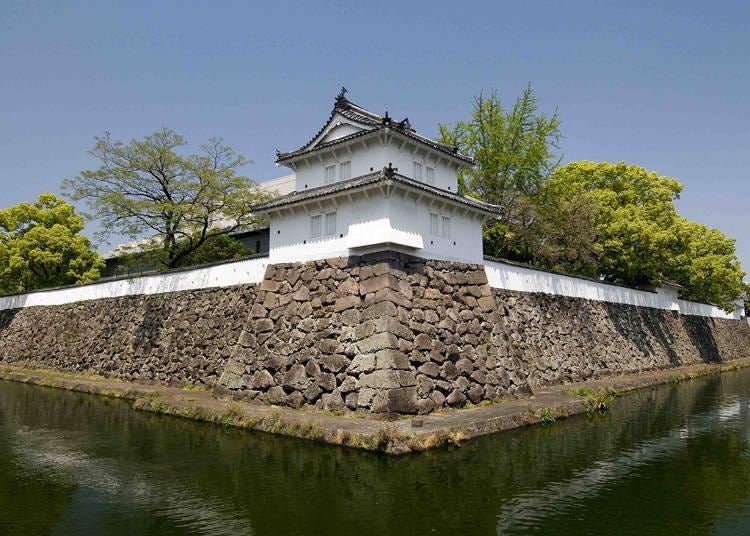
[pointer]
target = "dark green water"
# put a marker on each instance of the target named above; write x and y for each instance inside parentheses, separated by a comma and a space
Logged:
(672, 460)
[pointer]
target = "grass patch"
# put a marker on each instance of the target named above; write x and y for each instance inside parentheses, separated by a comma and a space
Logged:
(546, 417)
(598, 401)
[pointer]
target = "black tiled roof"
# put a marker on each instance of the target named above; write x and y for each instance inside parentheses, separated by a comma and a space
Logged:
(375, 122)
(385, 175)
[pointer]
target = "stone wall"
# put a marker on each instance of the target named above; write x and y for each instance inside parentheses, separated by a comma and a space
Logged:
(384, 333)
(558, 339)
(183, 337)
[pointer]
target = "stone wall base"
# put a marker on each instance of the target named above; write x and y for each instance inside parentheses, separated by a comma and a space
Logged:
(381, 333)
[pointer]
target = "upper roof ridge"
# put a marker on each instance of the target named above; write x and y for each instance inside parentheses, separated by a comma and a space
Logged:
(357, 114)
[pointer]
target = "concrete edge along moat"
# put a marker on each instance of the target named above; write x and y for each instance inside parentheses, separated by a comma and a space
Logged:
(400, 436)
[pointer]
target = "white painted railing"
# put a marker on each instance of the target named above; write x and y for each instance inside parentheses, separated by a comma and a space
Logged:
(512, 276)
(216, 275)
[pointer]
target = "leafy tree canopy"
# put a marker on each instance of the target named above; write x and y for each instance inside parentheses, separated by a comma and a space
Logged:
(40, 246)
(514, 149)
(705, 264)
(643, 239)
(634, 219)
(147, 189)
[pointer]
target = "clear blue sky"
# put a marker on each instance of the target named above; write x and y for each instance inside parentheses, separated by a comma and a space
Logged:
(664, 87)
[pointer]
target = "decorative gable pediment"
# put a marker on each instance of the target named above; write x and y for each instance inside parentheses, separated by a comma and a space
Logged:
(338, 127)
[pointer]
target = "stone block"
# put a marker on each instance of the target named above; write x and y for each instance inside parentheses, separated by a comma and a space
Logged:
(270, 301)
(305, 309)
(475, 393)
(296, 378)
(347, 302)
(234, 367)
(362, 363)
(379, 282)
(388, 295)
(438, 398)
(263, 324)
(262, 379)
(377, 342)
(231, 381)
(312, 369)
(333, 401)
(312, 392)
(425, 385)
(462, 384)
(246, 339)
(328, 346)
(350, 317)
(456, 398)
(366, 397)
(334, 362)
(425, 406)
(302, 294)
(258, 311)
(327, 381)
(392, 359)
(380, 379)
(486, 304)
(423, 342)
(352, 400)
(465, 366)
(448, 371)
(430, 369)
(403, 400)
(379, 309)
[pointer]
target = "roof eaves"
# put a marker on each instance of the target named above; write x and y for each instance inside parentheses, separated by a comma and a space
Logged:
(387, 175)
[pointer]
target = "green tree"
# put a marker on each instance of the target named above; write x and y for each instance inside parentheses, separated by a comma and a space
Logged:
(634, 218)
(553, 230)
(40, 246)
(643, 239)
(147, 189)
(514, 149)
(217, 247)
(704, 262)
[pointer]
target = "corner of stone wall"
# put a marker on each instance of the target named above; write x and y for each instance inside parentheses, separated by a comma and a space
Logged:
(385, 333)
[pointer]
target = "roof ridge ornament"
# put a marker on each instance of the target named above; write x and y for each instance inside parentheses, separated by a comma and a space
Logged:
(341, 97)
(386, 119)
(389, 171)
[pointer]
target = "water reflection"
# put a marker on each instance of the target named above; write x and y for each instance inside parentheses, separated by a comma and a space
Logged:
(669, 460)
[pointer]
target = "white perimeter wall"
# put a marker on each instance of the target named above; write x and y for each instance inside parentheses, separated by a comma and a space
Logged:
(514, 277)
(499, 274)
(220, 275)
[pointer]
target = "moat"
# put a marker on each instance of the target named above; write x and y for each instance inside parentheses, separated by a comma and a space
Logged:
(673, 459)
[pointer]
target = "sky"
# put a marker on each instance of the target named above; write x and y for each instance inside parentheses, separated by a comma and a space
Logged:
(664, 85)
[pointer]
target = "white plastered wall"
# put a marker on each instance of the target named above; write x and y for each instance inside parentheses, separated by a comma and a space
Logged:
(373, 155)
(514, 277)
(365, 223)
(220, 275)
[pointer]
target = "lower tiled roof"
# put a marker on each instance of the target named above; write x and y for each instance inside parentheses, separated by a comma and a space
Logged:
(385, 176)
